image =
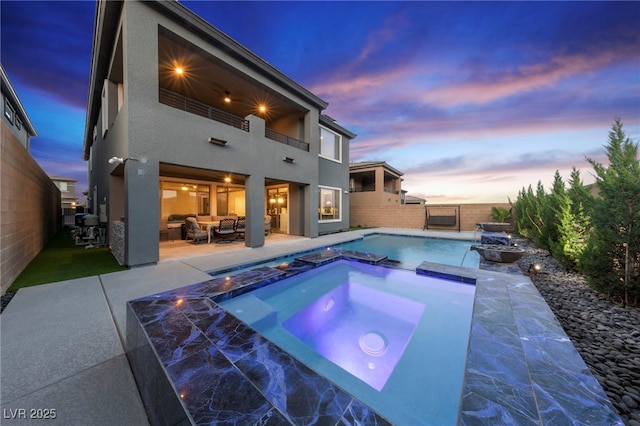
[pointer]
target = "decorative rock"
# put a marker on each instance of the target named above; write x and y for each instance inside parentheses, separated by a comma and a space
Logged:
(629, 402)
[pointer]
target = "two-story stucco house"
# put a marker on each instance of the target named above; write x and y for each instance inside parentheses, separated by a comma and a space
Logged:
(199, 124)
(67, 187)
(375, 183)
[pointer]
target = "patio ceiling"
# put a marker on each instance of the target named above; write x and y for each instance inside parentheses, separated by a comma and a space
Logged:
(193, 173)
(208, 80)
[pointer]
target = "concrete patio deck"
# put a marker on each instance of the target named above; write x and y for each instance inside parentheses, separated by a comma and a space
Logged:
(61, 346)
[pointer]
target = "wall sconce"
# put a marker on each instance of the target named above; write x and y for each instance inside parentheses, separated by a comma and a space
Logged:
(218, 142)
(120, 160)
(289, 160)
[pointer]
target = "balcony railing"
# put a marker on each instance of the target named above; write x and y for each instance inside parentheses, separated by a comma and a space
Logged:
(390, 190)
(363, 189)
(179, 101)
(287, 140)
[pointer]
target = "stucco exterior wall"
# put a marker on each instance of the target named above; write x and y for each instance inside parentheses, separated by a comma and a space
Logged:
(413, 216)
(30, 212)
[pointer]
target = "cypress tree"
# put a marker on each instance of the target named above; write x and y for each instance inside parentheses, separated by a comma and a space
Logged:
(611, 260)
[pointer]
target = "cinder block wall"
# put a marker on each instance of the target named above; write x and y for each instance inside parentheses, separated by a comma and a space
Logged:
(30, 212)
(413, 216)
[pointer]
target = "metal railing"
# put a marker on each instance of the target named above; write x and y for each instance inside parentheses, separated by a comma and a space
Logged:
(390, 190)
(287, 140)
(363, 189)
(179, 101)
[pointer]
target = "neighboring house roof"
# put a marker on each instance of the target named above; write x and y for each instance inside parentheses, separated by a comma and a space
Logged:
(410, 199)
(62, 178)
(371, 164)
(8, 90)
(106, 22)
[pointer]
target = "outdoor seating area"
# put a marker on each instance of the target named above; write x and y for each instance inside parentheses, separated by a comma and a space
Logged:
(196, 229)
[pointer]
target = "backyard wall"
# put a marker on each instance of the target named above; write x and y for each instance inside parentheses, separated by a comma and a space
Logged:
(413, 216)
(30, 212)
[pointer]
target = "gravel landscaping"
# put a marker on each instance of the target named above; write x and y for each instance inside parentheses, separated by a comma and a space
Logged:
(606, 335)
(5, 299)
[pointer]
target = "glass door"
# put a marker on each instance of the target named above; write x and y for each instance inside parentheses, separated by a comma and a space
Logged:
(278, 208)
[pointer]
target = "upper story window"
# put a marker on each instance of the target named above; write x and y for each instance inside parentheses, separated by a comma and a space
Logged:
(9, 112)
(330, 145)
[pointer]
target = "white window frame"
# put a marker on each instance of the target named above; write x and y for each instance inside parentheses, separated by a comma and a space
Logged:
(321, 206)
(339, 147)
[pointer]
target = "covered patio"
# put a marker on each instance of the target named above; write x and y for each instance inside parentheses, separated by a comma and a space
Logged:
(183, 249)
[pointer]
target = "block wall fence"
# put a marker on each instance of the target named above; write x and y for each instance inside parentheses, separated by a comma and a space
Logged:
(413, 216)
(30, 212)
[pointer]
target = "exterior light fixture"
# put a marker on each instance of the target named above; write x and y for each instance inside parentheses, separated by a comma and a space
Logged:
(227, 98)
(121, 160)
(227, 179)
(216, 141)
(289, 160)
(179, 70)
(262, 108)
(534, 268)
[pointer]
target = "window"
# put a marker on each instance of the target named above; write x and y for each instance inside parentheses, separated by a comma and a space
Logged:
(330, 145)
(18, 123)
(329, 203)
(184, 198)
(9, 112)
(230, 201)
(63, 186)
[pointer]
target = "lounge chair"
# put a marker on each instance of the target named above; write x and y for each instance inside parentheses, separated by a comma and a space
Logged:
(194, 232)
(226, 230)
(240, 227)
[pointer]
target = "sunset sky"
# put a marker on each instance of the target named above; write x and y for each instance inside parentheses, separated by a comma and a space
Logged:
(471, 100)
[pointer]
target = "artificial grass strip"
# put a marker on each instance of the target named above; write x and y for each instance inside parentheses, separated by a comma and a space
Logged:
(62, 260)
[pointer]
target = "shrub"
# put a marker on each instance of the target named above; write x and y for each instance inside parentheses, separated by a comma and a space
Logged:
(600, 236)
(500, 214)
(611, 259)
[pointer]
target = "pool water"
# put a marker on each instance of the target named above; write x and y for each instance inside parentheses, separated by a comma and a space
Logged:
(411, 251)
(415, 250)
(394, 339)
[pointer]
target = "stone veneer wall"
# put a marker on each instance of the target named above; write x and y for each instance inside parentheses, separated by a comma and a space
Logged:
(117, 241)
(413, 216)
(30, 213)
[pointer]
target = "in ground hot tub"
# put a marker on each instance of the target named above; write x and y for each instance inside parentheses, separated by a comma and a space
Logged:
(394, 339)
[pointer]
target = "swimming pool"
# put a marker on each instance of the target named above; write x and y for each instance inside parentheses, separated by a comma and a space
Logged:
(195, 363)
(408, 251)
(415, 250)
(394, 339)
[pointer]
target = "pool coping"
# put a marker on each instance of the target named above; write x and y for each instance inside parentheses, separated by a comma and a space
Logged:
(521, 366)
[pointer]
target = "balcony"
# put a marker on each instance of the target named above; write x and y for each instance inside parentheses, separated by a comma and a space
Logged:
(192, 106)
(287, 140)
(179, 101)
(391, 190)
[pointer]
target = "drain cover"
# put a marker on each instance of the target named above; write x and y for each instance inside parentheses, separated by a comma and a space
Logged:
(373, 343)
